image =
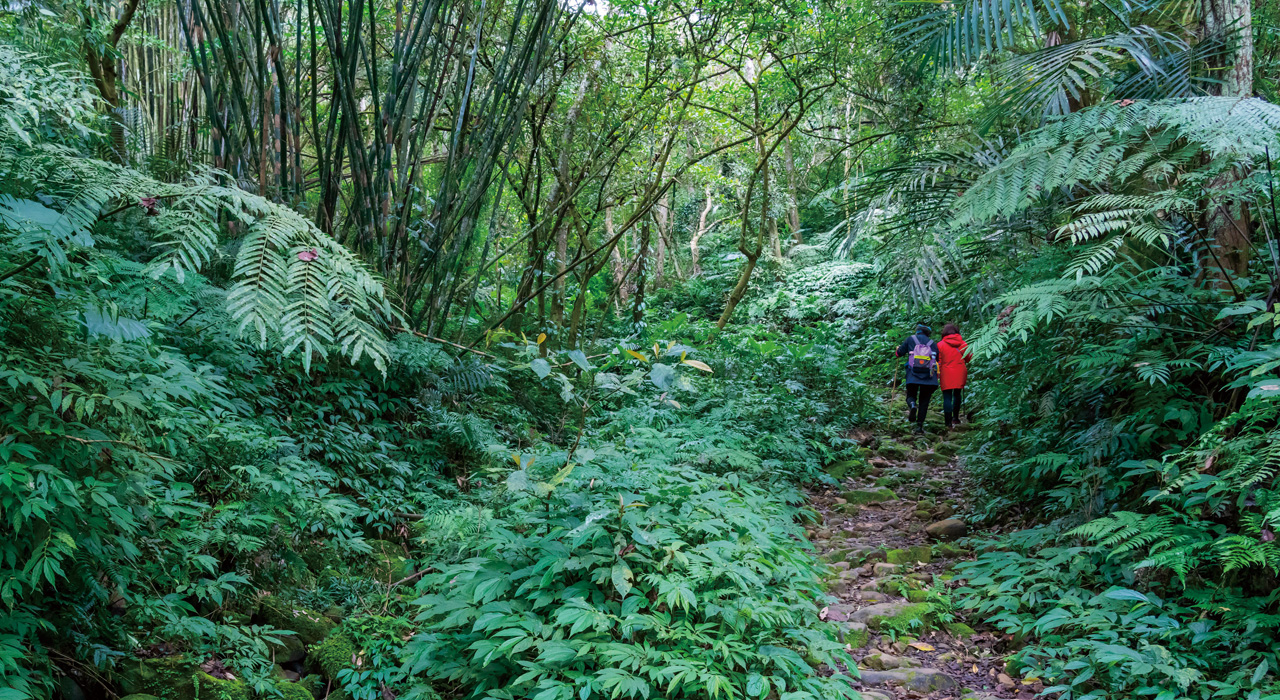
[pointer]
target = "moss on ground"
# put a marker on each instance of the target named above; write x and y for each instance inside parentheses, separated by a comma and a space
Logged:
(295, 691)
(934, 459)
(892, 450)
(862, 496)
(309, 625)
(911, 618)
(920, 553)
(387, 562)
(856, 635)
(167, 677)
(947, 550)
(847, 468)
(210, 688)
(334, 654)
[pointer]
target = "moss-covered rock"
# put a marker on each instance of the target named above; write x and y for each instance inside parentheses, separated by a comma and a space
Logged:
(920, 680)
(960, 629)
(167, 677)
(922, 515)
(885, 481)
(908, 475)
(855, 634)
(309, 625)
(918, 553)
(947, 550)
(861, 496)
(917, 596)
(897, 615)
(210, 688)
(845, 468)
(387, 562)
(934, 458)
(315, 684)
(334, 654)
(295, 691)
(318, 557)
(893, 450)
(881, 661)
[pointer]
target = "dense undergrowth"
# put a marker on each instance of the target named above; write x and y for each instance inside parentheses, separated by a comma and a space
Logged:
(229, 472)
(192, 509)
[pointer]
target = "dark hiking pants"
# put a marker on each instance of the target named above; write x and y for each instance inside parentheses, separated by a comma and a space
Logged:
(951, 405)
(918, 396)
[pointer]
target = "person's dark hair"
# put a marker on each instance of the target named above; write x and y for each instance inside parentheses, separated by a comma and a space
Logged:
(950, 329)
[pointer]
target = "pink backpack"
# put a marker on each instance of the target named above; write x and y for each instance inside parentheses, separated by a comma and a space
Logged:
(922, 361)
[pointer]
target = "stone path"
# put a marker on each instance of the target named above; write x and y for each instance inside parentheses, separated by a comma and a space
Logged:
(891, 534)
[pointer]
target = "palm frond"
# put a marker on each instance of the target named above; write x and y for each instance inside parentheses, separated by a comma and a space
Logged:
(959, 34)
(1050, 80)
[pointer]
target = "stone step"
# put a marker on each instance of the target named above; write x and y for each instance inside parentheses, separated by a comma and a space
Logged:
(920, 680)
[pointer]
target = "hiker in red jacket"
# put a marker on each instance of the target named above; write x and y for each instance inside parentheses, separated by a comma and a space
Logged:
(952, 371)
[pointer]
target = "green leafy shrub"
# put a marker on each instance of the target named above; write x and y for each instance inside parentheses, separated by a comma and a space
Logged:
(633, 581)
(1089, 634)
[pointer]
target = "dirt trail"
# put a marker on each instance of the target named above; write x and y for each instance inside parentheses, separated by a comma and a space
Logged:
(891, 530)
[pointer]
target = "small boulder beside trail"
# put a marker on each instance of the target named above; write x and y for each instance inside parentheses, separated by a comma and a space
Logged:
(946, 530)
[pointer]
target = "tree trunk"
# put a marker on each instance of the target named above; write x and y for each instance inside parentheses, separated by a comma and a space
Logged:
(766, 222)
(1233, 20)
(775, 241)
(698, 234)
(104, 67)
(793, 209)
(642, 254)
(615, 259)
(561, 186)
(662, 217)
(739, 291)
(1228, 222)
(562, 262)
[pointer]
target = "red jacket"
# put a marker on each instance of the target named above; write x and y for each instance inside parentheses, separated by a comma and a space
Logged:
(952, 372)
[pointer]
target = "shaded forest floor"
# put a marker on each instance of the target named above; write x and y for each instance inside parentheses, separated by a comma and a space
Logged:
(892, 534)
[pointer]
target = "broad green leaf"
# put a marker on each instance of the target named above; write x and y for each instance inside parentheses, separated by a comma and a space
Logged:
(621, 577)
(1126, 594)
(519, 481)
(580, 359)
(662, 376)
(540, 367)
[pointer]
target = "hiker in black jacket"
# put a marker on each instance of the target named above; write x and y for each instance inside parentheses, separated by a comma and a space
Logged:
(922, 373)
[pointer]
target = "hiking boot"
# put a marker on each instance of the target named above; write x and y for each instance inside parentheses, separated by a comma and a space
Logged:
(919, 430)
(911, 415)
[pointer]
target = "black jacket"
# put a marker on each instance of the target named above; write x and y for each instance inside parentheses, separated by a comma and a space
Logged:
(909, 345)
